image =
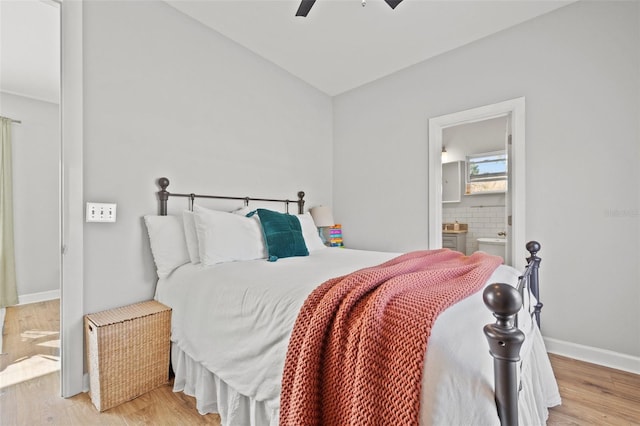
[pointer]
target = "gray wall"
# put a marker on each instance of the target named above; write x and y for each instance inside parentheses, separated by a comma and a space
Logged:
(165, 96)
(579, 69)
(475, 138)
(36, 157)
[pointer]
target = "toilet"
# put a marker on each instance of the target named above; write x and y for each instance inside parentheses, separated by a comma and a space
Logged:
(495, 246)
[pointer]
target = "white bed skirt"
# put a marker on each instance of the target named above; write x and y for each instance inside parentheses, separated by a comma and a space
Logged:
(539, 389)
(213, 395)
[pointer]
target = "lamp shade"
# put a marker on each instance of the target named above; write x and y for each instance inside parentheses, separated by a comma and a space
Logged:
(322, 216)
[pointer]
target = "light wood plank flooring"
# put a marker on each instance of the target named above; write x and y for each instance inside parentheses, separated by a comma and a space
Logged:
(31, 342)
(30, 381)
(591, 394)
(594, 395)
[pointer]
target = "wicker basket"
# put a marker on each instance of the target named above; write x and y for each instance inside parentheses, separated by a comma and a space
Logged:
(127, 351)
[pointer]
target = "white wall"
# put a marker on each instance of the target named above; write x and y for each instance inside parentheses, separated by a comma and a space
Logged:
(36, 158)
(475, 138)
(165, 96)
(579, 69)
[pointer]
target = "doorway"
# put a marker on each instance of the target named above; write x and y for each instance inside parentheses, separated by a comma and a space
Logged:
(71, 198)
(515, 198)
(30, 94)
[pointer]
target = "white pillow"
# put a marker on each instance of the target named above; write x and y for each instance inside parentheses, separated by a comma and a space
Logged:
(244, 211)
(310, 232)
(191, 236)
(168, 244)
(227, 237)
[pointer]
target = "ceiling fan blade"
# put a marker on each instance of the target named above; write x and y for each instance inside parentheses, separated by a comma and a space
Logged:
(393, 3)
(305, 7)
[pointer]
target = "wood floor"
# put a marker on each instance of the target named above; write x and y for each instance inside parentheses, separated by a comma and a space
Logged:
(594, 395)
(30, 394)
(591, 394)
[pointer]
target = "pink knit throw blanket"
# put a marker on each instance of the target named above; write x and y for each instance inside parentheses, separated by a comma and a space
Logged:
(356, 352)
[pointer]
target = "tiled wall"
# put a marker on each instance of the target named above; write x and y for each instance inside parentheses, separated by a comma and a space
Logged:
(483, 222)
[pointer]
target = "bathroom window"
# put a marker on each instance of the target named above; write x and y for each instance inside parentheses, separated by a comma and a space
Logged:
(486, 173)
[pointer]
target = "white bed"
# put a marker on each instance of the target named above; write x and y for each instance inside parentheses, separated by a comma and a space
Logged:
(231, 323)
(236, 282)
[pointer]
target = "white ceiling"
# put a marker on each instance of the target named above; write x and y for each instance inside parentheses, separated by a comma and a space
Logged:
(339, 46)
(30, 49)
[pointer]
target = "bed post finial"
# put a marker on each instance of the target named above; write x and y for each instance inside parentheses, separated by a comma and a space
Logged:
(300, 202)
(533, 247)
(505, 340)
(163, 195)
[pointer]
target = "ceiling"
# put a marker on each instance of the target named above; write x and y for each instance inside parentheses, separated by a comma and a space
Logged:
(339, 46)
(30, 49)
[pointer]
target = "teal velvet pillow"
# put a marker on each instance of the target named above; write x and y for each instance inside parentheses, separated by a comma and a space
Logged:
(282, 235)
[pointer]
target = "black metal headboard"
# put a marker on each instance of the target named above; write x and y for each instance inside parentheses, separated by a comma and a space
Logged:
(163, 197)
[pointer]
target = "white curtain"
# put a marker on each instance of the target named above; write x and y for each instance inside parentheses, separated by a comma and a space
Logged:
(8, 289)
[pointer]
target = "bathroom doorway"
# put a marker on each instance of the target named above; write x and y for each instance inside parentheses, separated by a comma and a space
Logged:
(509, 115)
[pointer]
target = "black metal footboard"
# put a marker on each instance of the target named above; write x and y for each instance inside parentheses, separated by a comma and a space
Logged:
(505, 338)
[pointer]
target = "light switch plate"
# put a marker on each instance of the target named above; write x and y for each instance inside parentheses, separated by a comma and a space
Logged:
(101, 212)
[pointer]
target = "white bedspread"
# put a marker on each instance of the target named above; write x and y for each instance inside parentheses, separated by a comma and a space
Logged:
(235, 319)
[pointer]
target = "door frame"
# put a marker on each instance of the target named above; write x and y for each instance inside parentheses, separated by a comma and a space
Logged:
(514, 107)
(71, 201)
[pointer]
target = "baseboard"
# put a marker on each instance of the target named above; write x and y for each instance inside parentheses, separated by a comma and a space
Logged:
(25, 299)
(593, 355)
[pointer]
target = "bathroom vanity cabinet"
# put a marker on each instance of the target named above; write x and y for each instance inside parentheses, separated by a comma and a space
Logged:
(455, 241)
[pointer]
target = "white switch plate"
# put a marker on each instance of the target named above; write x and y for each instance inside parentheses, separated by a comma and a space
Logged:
(101, 212)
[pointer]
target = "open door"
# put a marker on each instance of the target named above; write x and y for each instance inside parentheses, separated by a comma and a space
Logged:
(508, 226)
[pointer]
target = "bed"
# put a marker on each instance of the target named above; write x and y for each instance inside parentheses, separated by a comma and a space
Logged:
(233, 315)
